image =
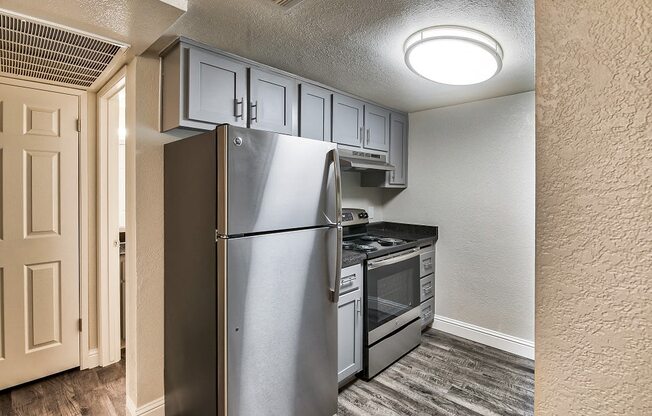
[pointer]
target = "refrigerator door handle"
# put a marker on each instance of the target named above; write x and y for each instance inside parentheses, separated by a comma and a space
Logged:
(335, 292)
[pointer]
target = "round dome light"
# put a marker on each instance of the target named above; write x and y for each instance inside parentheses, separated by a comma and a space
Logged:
(453, 55)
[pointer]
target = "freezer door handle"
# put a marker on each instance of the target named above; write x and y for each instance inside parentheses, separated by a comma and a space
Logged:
(335, 292)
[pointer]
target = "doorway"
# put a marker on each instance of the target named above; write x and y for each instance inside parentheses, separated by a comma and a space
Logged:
(112, 244)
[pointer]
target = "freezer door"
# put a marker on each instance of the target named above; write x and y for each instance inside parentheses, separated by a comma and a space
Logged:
(268, 181)
(278, 337)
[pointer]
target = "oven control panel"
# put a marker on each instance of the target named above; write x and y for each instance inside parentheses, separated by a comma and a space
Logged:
(354, 216)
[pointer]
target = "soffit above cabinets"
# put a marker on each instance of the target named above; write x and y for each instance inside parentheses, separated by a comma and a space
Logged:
(357, 46)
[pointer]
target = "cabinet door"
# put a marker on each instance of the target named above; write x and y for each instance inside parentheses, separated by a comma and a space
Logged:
(271, 99)
(349, 335)
(216, 89)
(348, 120)
(376, 121)
(314, 112)
(398, 149)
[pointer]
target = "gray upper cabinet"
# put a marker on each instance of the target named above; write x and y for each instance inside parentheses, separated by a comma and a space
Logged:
(398, 149)
(348, 120)
(272, 100)
(398, 156)
(376, 121)
(314, 112)
(216, 88)
(201, 89)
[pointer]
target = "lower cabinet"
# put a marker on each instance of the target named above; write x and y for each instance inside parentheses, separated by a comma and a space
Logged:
(349, 323)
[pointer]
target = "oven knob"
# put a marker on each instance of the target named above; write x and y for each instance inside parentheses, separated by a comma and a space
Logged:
(361, 215)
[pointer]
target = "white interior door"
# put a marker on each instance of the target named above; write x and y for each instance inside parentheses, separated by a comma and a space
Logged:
(39, 238)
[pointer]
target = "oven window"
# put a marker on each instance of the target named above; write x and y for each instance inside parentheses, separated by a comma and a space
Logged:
(391, 291)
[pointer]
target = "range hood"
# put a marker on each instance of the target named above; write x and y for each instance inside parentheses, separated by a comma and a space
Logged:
(364, 160)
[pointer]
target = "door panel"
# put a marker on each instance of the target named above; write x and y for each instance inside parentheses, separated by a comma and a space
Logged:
(41, 193)
(376, 121)
(216, 89)
(348, 120)
(39, 253)
(398, 149)
(315, 113)
(43, 304)
(41, 121)
(274, 182)
(271, 99)
(281, 329)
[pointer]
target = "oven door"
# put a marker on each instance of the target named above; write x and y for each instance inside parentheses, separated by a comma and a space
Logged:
(393, 293)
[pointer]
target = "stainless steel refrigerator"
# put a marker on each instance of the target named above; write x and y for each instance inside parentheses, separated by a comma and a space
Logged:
(252, 267)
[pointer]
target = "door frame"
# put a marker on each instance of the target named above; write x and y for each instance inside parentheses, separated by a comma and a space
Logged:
(108, 288)
(87, 358)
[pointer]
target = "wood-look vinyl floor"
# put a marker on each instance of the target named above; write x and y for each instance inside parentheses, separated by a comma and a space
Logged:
(96, 392)
(445, 375)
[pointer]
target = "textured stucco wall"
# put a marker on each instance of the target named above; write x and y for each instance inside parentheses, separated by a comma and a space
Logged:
(472, 173)
(594, 208)
(145, 345)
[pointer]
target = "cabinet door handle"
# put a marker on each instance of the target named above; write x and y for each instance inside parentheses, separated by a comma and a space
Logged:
(358, 306)
(254, 105)
(237, 103)
(361, 139)
(368, 135)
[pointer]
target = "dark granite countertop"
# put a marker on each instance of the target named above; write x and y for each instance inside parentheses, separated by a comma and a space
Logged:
(423, 234)
(419, 235)
(351, 257)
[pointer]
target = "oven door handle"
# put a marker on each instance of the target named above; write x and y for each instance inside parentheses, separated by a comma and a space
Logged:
(374, 264)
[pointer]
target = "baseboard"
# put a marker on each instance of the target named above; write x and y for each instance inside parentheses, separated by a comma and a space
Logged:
(485, 336)
(153, 408)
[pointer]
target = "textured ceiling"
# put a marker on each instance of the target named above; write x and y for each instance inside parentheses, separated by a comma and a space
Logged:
(357, 45)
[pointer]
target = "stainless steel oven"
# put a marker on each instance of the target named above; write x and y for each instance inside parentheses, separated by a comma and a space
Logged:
(392, 309)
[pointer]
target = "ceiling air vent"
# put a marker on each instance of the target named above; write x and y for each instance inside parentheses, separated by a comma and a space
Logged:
(287, 4)
(38, 50)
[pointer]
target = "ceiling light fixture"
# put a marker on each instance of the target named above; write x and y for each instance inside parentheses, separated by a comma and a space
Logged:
(453, 55)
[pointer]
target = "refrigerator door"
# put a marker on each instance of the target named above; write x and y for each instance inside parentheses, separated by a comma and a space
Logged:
(277, 331)
(268, 181)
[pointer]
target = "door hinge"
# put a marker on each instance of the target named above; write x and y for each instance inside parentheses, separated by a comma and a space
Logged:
(79, 125)
(80, 325)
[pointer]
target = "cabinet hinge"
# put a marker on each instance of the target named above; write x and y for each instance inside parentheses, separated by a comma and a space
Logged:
(80, 325)
(79, 125)
(217, 236)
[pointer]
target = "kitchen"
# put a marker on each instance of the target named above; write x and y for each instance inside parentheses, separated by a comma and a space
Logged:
(330, 208)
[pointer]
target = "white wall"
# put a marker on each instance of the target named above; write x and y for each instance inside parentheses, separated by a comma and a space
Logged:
(472, 173)
(355, 196)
